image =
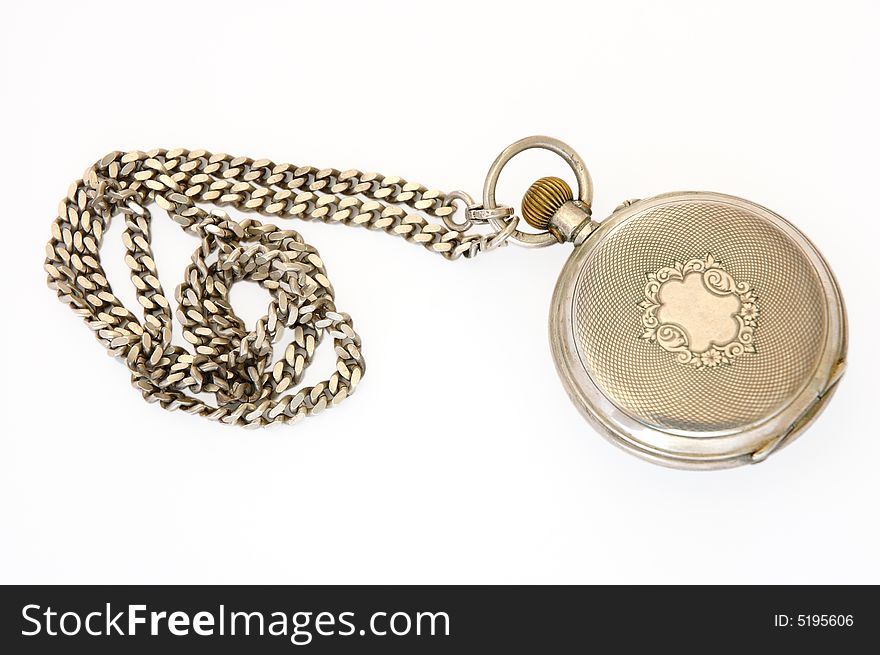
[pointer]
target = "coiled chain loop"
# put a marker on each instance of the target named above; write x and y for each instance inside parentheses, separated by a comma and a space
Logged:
(227, 360)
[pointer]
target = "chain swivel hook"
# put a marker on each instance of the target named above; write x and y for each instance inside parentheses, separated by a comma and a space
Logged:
(474, 212)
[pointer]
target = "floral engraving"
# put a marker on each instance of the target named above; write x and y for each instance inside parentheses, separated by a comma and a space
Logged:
(698, 312)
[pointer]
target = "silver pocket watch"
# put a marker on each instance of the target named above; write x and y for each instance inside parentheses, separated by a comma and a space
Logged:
(693, 329)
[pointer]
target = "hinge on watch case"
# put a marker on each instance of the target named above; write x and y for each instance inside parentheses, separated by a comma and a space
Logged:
(804, 419)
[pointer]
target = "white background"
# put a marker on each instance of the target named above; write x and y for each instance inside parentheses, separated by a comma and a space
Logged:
(460, 458)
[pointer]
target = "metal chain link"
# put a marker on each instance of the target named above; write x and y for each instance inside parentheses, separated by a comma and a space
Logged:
(227, 360)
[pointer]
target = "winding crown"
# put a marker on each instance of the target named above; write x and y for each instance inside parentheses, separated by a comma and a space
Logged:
(543, 199)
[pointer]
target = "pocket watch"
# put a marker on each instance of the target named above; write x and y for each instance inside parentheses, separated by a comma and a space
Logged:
(693, 329)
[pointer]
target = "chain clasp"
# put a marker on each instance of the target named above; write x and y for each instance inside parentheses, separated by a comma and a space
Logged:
(474, 212)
